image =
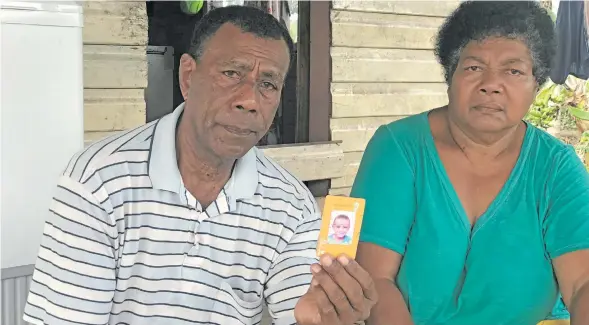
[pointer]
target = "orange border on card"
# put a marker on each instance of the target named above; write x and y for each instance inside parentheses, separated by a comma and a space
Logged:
(340, 203)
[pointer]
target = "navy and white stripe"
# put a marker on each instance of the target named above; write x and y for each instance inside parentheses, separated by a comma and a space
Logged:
(125, 243)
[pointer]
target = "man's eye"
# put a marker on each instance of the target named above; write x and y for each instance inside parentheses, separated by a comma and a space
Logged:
(269, 85)
(230, 73)
(474, 68)
(515, 72)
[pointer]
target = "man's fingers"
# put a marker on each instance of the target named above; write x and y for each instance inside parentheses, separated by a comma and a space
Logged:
(349, 284)
(362, 277)
(327, 310)
(335, 294)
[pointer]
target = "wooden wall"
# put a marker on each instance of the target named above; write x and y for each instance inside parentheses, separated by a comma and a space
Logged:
(115, 66)
(383, 68)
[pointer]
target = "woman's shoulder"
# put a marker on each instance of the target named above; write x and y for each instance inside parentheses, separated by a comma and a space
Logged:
(409, 129)
(547, 146)
(401, 141)
(551, 155)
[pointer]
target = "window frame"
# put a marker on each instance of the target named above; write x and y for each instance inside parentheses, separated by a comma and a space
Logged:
(314, 110)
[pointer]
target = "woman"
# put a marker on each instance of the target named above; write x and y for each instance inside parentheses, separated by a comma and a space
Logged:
(473, 216)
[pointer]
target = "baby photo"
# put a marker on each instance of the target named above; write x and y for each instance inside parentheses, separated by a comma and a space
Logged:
(342, 228)
(341, 222)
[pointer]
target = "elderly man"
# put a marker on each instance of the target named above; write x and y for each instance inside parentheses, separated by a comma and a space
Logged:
(183, 220)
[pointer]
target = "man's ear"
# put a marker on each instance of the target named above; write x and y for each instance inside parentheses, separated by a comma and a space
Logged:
(187, 66)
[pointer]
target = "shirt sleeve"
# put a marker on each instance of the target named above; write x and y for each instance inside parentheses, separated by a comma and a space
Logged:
(566, 227)
(74, 277)
(385, 180)
(290, 274)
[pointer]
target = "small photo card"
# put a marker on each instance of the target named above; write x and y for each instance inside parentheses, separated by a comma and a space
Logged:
(340, 226)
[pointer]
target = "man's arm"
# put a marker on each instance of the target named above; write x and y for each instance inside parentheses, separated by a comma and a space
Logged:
(290, 275)
(74, 277)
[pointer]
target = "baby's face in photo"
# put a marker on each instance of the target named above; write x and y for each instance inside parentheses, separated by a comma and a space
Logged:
(340, 227)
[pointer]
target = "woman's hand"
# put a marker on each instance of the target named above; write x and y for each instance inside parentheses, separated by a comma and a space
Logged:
(341, 293)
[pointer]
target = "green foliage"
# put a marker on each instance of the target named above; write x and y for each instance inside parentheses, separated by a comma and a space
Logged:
(583, 144)
(545, 107)
(552, 109)
(550, 104)
(554, 102)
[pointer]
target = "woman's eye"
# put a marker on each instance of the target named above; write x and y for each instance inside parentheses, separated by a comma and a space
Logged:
(515, 72)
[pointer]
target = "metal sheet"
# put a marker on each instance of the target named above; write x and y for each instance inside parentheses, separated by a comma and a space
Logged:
(14, 297)
(159, 95)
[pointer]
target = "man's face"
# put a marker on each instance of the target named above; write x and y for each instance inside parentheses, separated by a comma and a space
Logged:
(340, 227)
(232, 93)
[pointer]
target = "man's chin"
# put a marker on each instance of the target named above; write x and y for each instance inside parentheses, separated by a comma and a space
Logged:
(225, 151)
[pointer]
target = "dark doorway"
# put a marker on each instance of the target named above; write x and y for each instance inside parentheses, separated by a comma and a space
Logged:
(169, 26)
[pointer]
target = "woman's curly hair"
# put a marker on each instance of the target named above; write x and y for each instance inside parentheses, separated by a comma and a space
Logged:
(526, 21)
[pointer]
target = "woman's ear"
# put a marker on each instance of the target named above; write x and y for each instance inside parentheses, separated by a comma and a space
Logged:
(187, 67)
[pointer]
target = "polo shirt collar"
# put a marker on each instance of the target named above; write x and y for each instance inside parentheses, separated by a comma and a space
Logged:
(163, 166)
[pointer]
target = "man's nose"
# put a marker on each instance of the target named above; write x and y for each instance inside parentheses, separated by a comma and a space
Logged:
(491, 83)
(247, 97)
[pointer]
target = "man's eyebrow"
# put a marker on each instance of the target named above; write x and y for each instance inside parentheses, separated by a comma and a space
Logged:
(240, 65)
(237, 64)
(272, 75)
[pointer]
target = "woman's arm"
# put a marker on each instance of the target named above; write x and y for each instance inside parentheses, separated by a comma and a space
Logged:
(382, 264)
(566, 233)
(572, 272)
(386, 180)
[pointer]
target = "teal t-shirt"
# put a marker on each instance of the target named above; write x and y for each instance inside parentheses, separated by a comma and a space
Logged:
(499, 272)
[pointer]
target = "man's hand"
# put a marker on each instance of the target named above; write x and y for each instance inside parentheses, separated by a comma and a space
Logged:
(341, 293)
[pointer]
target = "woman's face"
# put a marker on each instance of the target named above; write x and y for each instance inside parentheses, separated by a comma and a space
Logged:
(493, 86)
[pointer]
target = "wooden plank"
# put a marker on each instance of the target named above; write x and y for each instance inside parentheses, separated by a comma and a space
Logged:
(351, 163)
(356, 132)
(345, 191)
(115, 23)
(440, 8)
(385, 99)
(366, 29)
(320, 202)
(115, 66)
(91, 137)
(113, 109)
(384, 65)
(309, 161)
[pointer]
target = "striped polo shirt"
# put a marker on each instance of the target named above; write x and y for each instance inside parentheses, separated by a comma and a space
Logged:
(126, 243)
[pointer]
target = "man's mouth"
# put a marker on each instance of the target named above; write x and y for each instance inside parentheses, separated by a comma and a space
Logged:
(238, 131)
